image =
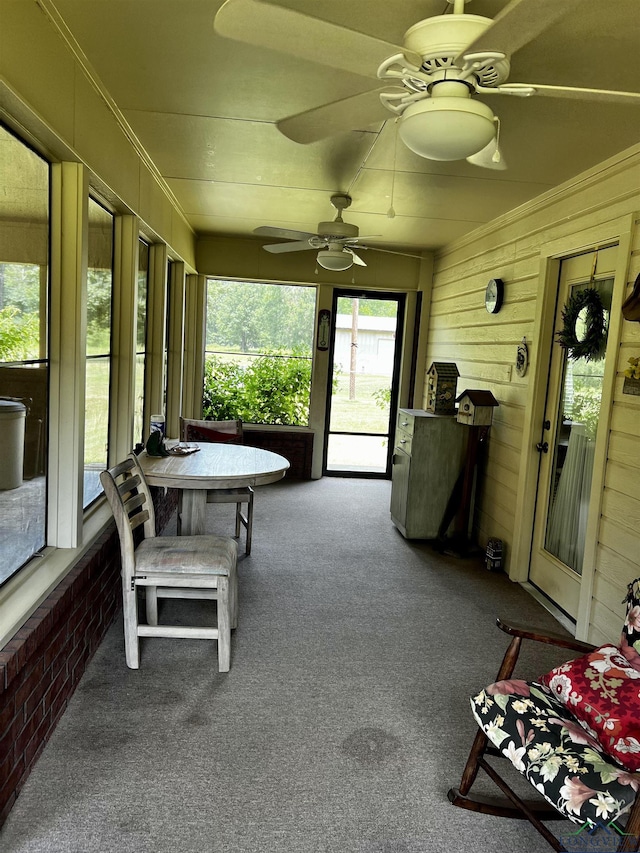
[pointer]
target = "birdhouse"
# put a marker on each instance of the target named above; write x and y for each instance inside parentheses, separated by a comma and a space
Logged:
(475, 408)
(442, 378)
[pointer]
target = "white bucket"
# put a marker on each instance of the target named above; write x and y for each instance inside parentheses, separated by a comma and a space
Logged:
(12, 421)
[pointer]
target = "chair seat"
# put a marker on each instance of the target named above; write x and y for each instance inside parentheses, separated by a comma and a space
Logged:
(194, 555)
(559, 756)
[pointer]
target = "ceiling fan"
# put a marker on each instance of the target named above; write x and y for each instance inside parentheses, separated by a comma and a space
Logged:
(445, 62)
(334, 240)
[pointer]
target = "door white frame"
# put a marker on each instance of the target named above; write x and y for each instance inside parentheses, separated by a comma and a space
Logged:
(617, 231)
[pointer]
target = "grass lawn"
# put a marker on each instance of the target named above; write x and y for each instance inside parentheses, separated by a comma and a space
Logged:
(361, 414)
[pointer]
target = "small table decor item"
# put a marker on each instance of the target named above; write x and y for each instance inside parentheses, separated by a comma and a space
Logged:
(584, 331)
(155, 445)
(183, 449)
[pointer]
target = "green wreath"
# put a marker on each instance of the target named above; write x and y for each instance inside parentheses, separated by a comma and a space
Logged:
(592, 345)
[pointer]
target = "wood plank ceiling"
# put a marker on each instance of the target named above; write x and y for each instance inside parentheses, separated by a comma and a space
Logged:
(205, 108)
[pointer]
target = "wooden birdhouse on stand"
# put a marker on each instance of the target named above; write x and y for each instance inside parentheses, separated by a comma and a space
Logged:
(475, 410)
(442, 379)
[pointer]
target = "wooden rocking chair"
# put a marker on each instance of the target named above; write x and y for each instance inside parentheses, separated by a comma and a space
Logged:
(557, 731)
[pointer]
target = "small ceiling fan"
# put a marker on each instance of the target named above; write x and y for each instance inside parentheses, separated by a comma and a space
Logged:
(334, 240)
(445, 62)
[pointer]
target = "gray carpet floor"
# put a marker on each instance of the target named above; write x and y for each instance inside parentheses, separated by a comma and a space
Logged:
(341, 725)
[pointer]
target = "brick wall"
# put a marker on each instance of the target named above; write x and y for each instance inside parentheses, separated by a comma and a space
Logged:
(42, 664)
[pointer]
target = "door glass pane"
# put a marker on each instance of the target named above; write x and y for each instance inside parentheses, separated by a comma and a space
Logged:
(357, 453)
(578, 416)
(98, 367)
(363, 365)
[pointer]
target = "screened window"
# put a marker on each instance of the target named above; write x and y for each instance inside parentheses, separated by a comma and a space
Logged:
(98, 355)
(24, 366)
(258, 354)
(141, 339)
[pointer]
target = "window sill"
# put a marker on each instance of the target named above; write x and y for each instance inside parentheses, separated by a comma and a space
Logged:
(24, 593)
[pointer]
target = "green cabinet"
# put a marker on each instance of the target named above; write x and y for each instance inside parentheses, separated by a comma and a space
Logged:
(428, 457)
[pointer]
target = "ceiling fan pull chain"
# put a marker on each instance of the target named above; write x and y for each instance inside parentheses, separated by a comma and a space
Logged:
(391, 212)
(497, 156)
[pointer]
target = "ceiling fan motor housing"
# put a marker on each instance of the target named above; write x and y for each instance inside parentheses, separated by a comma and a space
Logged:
(440, 39)
(337, 229)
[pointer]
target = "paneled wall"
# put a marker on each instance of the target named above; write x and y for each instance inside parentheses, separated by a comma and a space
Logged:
(520, 248)
(618, 554)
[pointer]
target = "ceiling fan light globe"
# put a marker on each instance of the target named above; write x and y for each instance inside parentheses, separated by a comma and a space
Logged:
(335, 260)
(447, 128)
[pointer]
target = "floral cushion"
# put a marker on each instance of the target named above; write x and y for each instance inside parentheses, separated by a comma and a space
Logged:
(630, 638)
(559, 756)
(602, 690)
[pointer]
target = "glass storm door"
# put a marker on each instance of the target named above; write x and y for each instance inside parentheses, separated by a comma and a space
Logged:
(365, 349)
(568, 443)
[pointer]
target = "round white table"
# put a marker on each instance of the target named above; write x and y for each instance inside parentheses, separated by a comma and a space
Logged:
(213, 466)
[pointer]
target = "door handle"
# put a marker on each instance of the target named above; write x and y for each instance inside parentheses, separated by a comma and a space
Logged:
(542, 447)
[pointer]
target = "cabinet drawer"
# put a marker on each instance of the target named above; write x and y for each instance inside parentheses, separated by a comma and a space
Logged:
(405, 423)
(404, 441)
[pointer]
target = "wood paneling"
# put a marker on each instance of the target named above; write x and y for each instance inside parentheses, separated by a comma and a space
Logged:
(484, 348)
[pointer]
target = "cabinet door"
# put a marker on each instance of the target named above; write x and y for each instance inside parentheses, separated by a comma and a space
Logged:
(400, 487)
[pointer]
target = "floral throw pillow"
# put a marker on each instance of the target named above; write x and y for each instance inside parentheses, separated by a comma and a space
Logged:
(602, 689)
(630, 638)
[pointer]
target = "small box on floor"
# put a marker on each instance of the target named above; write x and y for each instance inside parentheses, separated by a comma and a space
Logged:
(493, 556)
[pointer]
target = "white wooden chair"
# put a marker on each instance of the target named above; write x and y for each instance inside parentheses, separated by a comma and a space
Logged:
(168, 567)
(229, 432)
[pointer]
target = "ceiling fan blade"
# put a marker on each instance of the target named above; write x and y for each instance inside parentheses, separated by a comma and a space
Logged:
(354, 113)
(264, 25)
(390, 251)
(281, 248)
(568, 92)
(519, 23)
(356, 259)
(285, 233)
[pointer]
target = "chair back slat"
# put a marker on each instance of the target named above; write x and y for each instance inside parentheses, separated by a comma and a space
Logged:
(133, 503)
(130, 499)
(129, 484)
(138, 519)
